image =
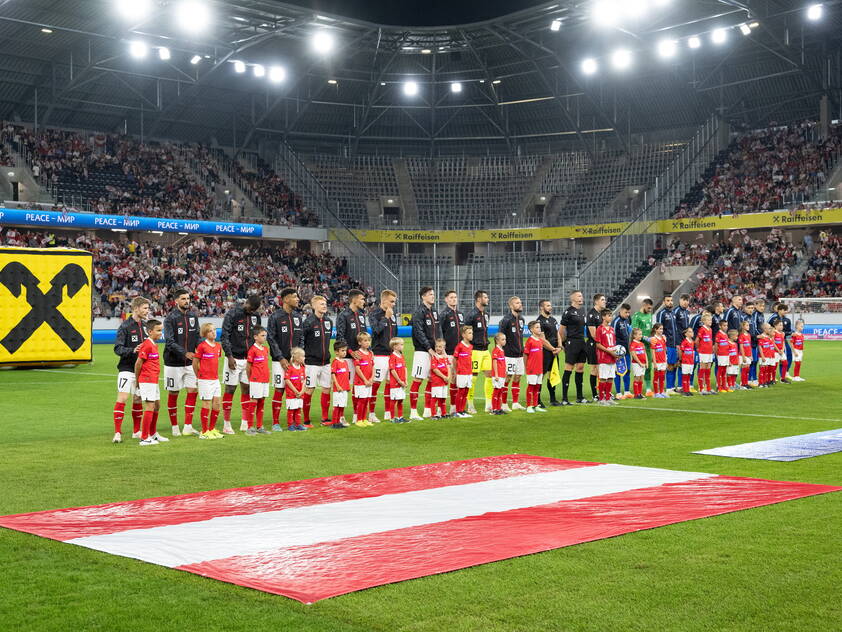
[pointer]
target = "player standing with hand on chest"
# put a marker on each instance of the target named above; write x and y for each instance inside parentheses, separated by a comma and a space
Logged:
(512, 325)
(130, 335)
(181, 337)
(237, 336)
(425, 331)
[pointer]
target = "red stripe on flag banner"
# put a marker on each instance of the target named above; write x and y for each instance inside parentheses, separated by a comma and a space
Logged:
(315, 572)
(67, 524)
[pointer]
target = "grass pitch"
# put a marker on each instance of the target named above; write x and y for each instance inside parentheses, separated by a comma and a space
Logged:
(771, 568)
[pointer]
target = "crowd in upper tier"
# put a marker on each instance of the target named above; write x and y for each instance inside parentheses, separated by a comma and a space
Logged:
(823, 276)
(764, 170)
(218, 271)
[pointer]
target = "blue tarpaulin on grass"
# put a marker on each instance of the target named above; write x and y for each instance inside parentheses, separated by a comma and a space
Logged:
(784, 449)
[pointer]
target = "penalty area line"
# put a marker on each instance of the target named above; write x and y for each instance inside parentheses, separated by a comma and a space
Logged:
(735, 414)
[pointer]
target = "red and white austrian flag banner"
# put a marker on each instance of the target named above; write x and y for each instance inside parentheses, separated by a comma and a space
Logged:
(323, 537)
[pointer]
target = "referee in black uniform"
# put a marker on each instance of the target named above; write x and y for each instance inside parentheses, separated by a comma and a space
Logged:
(572, 335)
(549, 325)
(594, 321)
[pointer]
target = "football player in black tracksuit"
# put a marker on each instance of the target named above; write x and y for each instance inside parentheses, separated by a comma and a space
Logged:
(130, 334)
(594, 320)
(425, 331)
(451, 320)
(384, 327)
(181, 337)
(350, 323)
(317, 329)
(549, 325)
(512, 325)
(237, 336)
(283, 333)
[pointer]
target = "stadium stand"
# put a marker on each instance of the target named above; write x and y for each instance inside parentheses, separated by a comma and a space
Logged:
(764, 170)
(823, 276)
(220, 272)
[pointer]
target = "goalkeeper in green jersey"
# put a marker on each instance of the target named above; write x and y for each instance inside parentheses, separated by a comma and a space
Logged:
(643, 320)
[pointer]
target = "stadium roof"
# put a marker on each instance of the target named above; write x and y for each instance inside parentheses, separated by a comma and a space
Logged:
(521, 81)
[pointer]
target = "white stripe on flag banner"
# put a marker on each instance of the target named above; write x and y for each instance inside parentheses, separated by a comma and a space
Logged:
(193, 542)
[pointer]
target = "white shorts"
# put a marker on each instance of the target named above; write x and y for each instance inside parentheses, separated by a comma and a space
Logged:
(259, 390)
(237, 375)
(661, 366)
(420, 365)
(352, 373)
(464, 381)
(208, 389)
(339, 399)
(317, 376)
(438, 392)
(687, 369)
(722, 360)
(149, 392)
(733, 369)
(769, 361)
(294, 403)
(745, 361)
(278, 375)
(361, 390)
(498, 382)
(534, 379)
(779, 357)
(381, 368)
(607, 371)
(638, 370)
(125, 383)
(397, 393)
(706, 358)
(179, 377)
(797, 355)
(514, 366)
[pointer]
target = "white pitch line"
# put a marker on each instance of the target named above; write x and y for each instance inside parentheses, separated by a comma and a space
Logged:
(714, 412)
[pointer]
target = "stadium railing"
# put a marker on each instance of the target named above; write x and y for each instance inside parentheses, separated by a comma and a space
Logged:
(363, 263)
(636, 243)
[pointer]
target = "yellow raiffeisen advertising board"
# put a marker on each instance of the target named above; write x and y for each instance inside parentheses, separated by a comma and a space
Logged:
(773, 219)
(45, 305)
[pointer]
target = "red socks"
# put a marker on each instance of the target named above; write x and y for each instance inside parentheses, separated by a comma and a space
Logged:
(308, 399)
(428, 396)
(454, 394)
(338, 411)
(373, 400)
(326, 405)
(685, 382)
(146, 425)
(293, 417)
(744, 372)
(515, 390)
(784, 367)
(277, 404)
(227, 402)
(533, 392)
(119, 410)
(496, 398)
(397, 407)
(172, 407)
(390, 406)
(413, 394)
(362, 408)
(203, 415)
(637, 388)
(461, 399)
(214, 413)
(796, 369)
(137, 415)
(257, 409)
(189, 407)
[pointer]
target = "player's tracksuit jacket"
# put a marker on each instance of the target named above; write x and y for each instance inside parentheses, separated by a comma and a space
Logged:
(666, 317)
(382, 331)
(238, 332)
(451, 322)
(181, 334)
(349, 325)
(129, 335)
(622, 331)
(682, 322)
(479, 321)
(283, 332)
(316, 332)
(425, 328)
(512, 326)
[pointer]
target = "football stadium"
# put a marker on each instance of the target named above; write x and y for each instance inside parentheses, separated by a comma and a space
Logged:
(364, 315)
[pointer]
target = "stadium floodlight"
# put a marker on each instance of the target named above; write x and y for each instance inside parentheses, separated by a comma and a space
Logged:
(815, 12)
(410, 88)
(426, 51)
(718, 36)
(667, 48)
(138, 49)
(589, 66)
(195, 59)
(164, 53)
(694, 42)
(46, 30)
(133, 9)
(555, 25)
(239, 67)
(322, 42)
(497, 82)
(621, 59)
(259, 71)
(456, 87)
(277, 74)
(332, 82)
(605, 13)
(192, 16)
(745, 29)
